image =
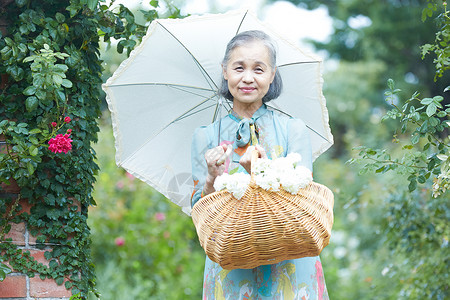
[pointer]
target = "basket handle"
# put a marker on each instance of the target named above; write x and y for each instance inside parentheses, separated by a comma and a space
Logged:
(254, 157)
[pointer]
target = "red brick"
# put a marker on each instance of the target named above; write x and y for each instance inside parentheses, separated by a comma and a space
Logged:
(13, 286)
(39, 256)
(47, 289)
(26, 206)
(11, 188)
(17, 233)
(31, 240)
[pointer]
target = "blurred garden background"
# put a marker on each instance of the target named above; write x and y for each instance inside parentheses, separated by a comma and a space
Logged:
(390, 236)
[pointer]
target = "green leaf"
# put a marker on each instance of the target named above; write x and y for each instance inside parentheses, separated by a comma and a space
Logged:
(381, 170)
(415, 139)
(61, 68)
(66, 83)
(29, 90)
(22, 47)
(30, 168)
(438, 98)
(412, 185)
(6, 52)
(33, 150)
(92, 4)
(60, 17)
(431, 109)
(47, 255)
(35, 131)
(421, 179)
(424, 14)
(33, 140)
(154, 3)
(41, 94)
(4, 270)
(431, 164)
(426, 101)
(441, 114)
(9, 41)
(61, 96)
(391, 83)
(59, 280)
(16, 72)
(24, 29)
(68, 284)
(31, 103)
(57, 79)
(447, 89)
(54, 264)
(120, 47)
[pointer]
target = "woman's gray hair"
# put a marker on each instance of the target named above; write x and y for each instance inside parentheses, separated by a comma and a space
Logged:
(242, 39)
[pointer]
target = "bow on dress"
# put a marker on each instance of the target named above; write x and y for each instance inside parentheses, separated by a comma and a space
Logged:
(247, 129)
(246, 133)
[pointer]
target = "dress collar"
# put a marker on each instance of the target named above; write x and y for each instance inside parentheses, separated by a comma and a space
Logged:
(261, 111)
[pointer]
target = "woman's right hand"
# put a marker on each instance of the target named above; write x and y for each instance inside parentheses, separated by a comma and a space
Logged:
(214, 169)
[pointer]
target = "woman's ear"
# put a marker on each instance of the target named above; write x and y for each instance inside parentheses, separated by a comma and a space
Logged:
(224, 72)
(273, 74)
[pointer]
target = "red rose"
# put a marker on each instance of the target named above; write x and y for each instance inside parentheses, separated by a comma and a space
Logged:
(54, 124)
(69, 131)
(60, 143)
(67, 119)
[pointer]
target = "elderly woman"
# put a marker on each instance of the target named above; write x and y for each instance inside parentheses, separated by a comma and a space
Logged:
(250, 79)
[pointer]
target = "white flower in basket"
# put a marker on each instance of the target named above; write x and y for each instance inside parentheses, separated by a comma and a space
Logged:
(271, 175)
(235, 184)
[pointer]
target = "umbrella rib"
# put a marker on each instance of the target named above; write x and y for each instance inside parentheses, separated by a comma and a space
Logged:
(162, 84)
(310, 128)
(192, 93)
(205, 74)
(242, 21)
(298, 63)
(185, 114)
(188, 115)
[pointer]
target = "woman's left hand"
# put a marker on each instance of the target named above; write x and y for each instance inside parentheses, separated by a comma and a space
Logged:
(246, 159)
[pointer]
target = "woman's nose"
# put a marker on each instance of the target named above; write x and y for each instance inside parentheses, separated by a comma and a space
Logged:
(247, 77)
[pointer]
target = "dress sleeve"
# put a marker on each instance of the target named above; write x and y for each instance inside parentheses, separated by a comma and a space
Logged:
(299, 141)
(200, 144)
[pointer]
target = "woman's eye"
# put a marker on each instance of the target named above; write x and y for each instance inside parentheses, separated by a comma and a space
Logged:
(238, 68)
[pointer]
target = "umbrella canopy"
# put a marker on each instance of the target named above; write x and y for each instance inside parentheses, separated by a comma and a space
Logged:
(169, 86)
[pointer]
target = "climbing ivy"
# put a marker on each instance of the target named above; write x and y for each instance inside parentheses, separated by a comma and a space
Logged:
(50, 89)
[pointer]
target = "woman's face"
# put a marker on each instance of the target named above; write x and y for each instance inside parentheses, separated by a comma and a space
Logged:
(249, 73)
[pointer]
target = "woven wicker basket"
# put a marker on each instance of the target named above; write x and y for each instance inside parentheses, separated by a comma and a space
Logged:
(263, 227)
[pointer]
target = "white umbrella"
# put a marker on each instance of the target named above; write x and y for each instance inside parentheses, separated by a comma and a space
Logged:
(169, 86)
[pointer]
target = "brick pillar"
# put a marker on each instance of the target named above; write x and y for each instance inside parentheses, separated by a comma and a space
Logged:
(19, 286)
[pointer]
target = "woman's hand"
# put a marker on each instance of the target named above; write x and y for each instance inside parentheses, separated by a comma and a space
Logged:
(246, 159)
(215, 169)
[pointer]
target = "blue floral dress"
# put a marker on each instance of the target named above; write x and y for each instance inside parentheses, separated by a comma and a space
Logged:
(302, 278)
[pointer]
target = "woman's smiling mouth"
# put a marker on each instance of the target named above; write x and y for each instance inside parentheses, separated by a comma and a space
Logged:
(247, 89)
